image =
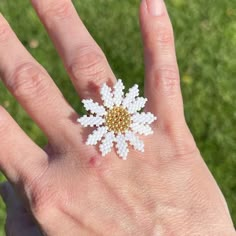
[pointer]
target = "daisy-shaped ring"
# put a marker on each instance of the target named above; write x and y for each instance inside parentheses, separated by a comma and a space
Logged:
(119, 121)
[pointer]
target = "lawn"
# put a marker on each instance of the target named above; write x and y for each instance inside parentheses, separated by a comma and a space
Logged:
(205, 32)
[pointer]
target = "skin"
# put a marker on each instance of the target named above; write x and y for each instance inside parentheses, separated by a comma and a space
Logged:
(67, 188)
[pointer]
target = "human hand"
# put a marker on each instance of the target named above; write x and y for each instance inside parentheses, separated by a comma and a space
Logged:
(67, 187)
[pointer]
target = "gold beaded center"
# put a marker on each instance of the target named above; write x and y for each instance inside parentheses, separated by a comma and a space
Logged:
(118, 119)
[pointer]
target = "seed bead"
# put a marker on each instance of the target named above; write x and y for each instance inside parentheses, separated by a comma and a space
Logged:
(118, 119)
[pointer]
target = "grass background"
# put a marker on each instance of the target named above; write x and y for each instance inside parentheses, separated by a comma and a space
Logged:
(205, 32)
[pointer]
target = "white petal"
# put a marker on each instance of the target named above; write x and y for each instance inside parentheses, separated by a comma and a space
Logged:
(143, 118)
(118, 93)
(130, 96)
(107, 97)
(135, 141)
(137, 105)
(93, 107)
(107, 143)
(141, 129)
(91, 121)
(96, 135)
(122, 146)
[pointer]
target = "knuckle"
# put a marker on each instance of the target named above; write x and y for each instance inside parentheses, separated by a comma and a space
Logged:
(90, 65)
(5, 32)
(44, 208)
(47, 215)
(57, 10)
(28, 81)
(164, 35)
(40, 192)
(45, 202)
(41, 202)
(181, 140)
(167, 76)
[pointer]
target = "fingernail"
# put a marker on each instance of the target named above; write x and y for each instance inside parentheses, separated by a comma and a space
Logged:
(155, 7)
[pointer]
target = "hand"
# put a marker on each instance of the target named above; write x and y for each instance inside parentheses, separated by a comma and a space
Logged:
(67, 187)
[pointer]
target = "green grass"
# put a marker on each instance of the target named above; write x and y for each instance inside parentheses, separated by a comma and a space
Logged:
(205, 32)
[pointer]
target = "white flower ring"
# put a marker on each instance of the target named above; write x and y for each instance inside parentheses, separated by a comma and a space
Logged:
(118, 121)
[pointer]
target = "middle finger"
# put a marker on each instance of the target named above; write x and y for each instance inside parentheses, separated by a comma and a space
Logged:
(82, 57)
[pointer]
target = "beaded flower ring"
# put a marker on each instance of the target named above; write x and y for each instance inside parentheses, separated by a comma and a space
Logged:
(118, 120)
